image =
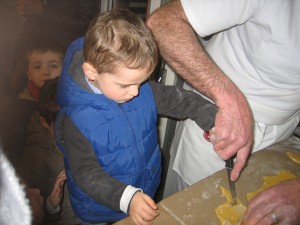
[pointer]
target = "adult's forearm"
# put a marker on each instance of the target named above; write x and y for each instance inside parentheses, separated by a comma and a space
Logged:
(181, 49)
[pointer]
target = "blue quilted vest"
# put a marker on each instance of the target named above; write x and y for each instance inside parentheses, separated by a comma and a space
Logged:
(123, 136)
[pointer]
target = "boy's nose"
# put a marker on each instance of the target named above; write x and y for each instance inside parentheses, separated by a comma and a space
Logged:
(46, 71)
(134, 90)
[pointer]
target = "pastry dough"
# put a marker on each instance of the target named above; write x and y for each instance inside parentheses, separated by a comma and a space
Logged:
(293, 156)
(228, 213)
(270, 181)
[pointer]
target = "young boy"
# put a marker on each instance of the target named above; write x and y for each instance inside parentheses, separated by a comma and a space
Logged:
(107, 124)
(42, 162)
(45, 210)
(21, 204)
(43, 61)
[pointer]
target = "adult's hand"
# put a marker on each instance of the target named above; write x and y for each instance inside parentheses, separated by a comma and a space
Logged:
(278, 204)
(233, 133)
(181, 49)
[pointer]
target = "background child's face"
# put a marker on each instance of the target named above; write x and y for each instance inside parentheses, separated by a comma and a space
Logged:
(43, 66)
(123, 85)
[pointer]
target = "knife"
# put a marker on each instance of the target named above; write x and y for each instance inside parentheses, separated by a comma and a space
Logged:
(229, 166)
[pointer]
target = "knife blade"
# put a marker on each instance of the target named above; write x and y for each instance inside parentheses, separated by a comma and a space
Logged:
(229, 167)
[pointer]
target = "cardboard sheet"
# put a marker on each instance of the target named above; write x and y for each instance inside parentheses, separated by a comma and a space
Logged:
(196, 204)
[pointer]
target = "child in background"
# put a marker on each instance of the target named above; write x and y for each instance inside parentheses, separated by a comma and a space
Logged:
(21, 204)
(42, 162)
(107, 126)
(43, 61)
(45, 210)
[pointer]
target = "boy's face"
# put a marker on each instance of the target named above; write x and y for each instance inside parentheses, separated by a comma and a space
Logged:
(123, 85)
(43, 66)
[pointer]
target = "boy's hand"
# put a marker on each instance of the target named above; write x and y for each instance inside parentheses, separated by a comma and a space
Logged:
(143, 209)
(57, 192)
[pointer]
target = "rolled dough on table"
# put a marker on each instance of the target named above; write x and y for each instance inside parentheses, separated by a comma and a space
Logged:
(196, 204)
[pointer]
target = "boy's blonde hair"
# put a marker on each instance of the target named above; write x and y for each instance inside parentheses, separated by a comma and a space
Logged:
(119, 37)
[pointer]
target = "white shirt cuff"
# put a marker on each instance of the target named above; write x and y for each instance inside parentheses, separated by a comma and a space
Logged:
(127, 196)
(50, 209)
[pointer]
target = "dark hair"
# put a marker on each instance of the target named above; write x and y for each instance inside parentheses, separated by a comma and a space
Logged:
(48, 106)
(44, 45)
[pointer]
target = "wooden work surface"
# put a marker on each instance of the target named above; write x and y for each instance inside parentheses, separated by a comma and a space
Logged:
(196, 204)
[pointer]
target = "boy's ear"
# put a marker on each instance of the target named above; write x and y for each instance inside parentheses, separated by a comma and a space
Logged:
(28, 76)
(89, 71)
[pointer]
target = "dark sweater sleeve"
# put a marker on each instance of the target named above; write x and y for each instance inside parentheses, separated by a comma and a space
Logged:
(179, 103)
(86, 170)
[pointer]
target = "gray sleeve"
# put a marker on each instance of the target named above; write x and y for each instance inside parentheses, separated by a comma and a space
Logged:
(86, 170)
(178, 103)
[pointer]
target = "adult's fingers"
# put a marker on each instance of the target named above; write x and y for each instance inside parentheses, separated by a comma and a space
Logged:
(230, 150)
(240, 163)
(262, 209)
